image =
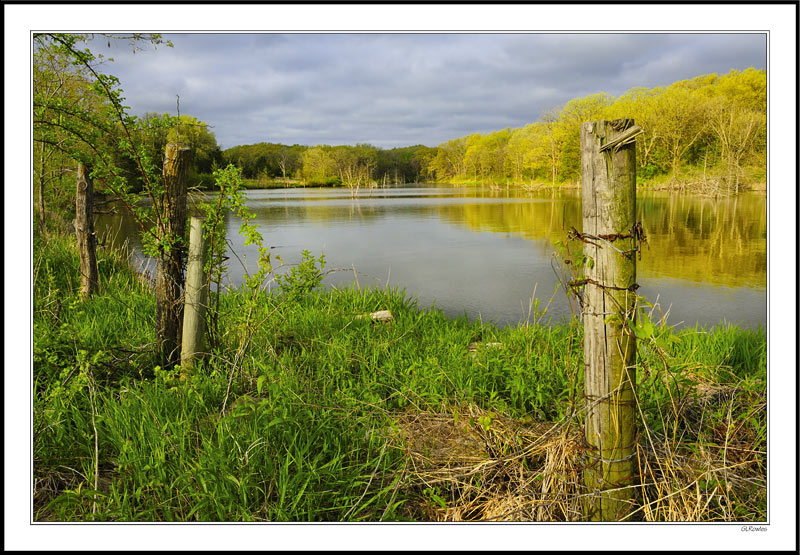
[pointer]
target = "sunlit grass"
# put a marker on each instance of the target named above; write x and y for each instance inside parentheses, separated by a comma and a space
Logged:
(328, 416)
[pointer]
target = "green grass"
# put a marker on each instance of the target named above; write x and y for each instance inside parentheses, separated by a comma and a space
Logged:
(306, 421)
(278, 183)
(495, 181)
(708, 180)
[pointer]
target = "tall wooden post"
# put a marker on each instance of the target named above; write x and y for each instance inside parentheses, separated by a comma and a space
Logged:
(608, 175)
(84, 231)
(195, 298)
(169, 265)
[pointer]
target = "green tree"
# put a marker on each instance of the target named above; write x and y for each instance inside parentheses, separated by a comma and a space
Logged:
(537, 158)
(319, 164)
(593, 107)
(89, 133)
(557, 132)
(355, 165)
(641, 105)
(448, 162)
(519, 145)
(57, 86)
(682, 119)
(197, 135)
(66, 126)
(736, 128)
(156, 130)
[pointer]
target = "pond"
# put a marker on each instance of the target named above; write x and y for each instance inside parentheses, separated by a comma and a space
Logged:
(484, 251)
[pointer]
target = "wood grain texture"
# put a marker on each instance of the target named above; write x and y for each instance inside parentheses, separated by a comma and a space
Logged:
(195, 299)
(172, 251)
(84, 231)
(609, 207)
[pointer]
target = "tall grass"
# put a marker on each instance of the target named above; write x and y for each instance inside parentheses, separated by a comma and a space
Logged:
(328, 416)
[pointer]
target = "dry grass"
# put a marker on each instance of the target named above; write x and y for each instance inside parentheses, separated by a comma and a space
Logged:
(487, 467)
(705, 471)
(468, 464)
(55, 482)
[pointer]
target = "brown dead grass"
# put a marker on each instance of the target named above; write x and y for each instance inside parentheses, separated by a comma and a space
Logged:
(473, 465)
(468, 464)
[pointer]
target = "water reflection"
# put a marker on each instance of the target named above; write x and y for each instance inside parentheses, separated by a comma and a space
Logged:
(713, 241)
(482, 251)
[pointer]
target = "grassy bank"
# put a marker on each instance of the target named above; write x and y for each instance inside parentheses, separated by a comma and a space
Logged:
(708, 181)
(276, 183)
(691, 180)
(304, 411)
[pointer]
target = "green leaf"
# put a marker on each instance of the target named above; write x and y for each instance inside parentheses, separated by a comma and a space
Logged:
(439, 501)
(485, 422)
(645, 329)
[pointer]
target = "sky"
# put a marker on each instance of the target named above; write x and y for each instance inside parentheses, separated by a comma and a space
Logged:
(403, 89)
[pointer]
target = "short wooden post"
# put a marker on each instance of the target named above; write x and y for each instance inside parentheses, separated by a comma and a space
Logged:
(608, 175)
(169, 264)
(84, 231)
(195, 299)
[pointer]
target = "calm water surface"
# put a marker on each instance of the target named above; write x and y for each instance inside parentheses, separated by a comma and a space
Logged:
(484, 252)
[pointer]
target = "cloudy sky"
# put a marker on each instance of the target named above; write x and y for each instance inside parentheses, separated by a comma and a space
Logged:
(402, 89)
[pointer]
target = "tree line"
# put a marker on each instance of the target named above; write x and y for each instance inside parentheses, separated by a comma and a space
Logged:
(710, 128)
(349, 165)
(711, 125)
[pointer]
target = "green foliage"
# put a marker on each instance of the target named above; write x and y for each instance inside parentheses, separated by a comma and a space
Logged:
(271, 159)
(715, 121)
(327, 166)
(155, 131)
(301, 280)
(306, 432)
(229, 182)
(89, 124)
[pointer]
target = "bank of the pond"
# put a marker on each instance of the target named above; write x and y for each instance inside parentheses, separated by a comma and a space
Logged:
(713, 187)
(305, 411)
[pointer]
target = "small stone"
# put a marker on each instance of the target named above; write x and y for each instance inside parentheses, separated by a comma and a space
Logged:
(379, 316)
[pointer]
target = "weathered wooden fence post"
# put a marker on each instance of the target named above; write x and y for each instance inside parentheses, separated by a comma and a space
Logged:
(195, 299)
(610, 236)
(169, 264)
(84, 231)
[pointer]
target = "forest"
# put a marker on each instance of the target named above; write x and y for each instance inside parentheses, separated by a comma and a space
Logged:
(709, 126)
(326, 165)
(705, 132)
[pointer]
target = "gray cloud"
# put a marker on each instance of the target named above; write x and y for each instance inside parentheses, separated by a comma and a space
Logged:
(402, 89)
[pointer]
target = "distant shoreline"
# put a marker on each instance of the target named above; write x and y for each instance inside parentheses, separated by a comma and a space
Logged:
(677, 186)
